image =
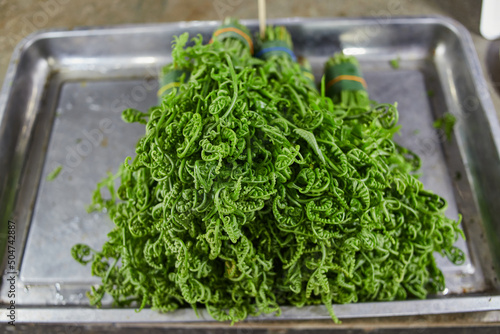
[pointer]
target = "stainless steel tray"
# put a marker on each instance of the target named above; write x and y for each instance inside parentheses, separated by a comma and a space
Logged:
(60, 106)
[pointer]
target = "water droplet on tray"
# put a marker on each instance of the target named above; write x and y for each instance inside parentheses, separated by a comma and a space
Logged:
(73, 224)
(75, 298)
(59, 296)
(94, 107)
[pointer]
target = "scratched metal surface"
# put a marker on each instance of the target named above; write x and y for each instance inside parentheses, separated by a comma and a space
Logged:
(81, 80)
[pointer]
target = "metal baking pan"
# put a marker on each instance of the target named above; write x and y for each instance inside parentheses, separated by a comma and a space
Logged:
(60, 106)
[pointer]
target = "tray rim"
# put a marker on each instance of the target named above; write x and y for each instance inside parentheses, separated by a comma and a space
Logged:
(426, 307)
(90, 315)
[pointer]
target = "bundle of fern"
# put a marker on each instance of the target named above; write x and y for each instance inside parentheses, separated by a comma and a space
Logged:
(251, 189)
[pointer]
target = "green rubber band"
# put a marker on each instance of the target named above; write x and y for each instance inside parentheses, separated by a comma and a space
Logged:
(231, 34)
(336, 71)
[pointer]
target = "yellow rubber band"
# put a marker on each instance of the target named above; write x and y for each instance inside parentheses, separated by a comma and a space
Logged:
(239, 32)
(167, 87)
(308, 75)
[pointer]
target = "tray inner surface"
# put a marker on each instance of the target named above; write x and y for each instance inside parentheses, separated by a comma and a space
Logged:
(89, 139)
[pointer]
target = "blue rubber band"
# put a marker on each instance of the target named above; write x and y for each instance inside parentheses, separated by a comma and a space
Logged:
(277, 48)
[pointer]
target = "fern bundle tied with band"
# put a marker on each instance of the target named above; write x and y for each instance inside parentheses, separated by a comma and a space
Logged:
(171, 79)
(307, 72)
(232, 31)
(251, 190)
(277, 42)
(345, 84)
